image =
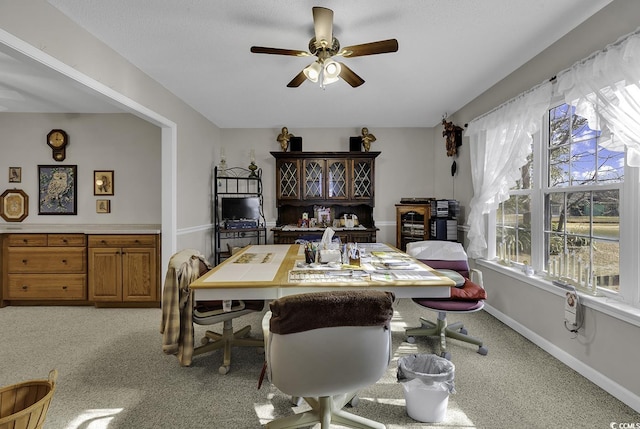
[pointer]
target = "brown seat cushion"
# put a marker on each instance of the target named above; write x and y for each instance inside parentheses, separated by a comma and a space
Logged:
(303, 312)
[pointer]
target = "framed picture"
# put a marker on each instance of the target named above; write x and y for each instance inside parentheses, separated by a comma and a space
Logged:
(14, 205)
(103, 182)
(15, 174)
(103, 206)
(58, 189)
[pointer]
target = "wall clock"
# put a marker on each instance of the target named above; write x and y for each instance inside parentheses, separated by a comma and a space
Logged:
(58, 141)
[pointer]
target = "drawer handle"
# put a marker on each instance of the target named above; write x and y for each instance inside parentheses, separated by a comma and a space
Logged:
(137, 241)
(64, 287)
(64, 240)
(103, 242)
(24, 261)
(64, 261)
(25, 241)
(25, 287)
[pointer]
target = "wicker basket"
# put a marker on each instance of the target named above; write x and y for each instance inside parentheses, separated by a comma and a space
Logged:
(25, 405)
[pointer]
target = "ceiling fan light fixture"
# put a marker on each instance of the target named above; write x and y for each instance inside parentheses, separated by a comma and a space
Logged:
(312, 71)
(331, 70)
(324, 46)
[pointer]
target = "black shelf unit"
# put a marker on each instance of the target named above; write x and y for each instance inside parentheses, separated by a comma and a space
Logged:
(237, 231)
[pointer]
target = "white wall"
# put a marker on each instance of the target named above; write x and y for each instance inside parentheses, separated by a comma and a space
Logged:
(607, 348)
(120, 142)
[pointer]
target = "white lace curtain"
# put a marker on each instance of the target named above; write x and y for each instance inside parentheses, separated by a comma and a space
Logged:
(499, 144)
(605, 88)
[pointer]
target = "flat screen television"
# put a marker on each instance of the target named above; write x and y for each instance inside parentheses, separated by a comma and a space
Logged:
(241, 208)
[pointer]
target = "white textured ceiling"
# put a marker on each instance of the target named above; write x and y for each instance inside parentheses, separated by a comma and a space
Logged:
(450, 51)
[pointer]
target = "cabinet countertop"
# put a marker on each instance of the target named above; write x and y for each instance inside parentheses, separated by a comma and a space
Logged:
(79, 229)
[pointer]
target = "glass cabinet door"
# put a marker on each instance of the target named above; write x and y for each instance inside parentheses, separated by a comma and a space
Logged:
(337, 179)
(362, 183)
(288, 180)
(313, 179)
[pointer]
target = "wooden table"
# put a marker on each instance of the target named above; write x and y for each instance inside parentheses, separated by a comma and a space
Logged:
(274, 270)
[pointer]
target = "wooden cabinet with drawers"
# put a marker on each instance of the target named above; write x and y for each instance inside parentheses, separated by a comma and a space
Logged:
(44, 267)
(123, 268)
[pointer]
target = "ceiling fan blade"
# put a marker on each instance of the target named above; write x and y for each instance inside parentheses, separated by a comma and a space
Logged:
(323, 25)
(373, 48)
(349, 76)
(278, 51)
(297, 81)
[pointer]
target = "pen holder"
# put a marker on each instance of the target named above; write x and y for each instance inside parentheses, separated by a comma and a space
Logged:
(354, 257)
(309, 256)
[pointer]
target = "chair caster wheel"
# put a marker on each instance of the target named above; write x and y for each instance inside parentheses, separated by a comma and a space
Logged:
(463, 331)
(483, 350)
(204, 341)
(296, 401)
(446, 355)
(223, 370)
(411, 340)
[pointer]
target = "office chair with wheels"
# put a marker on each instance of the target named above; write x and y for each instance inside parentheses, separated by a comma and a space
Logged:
(180, 312)
(468, 296)
(325, 346)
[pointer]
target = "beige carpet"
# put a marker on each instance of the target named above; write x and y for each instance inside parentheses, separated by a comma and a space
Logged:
(113, 374)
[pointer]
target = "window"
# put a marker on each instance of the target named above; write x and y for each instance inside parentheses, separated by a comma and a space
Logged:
(576, 223)
(582, 200)
(513, 220)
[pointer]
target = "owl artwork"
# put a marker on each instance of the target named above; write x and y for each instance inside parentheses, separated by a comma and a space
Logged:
(56, 194)
(57, 187)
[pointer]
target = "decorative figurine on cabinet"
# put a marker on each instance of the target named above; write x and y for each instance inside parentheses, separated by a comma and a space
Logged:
(367, 139)
(283, 138)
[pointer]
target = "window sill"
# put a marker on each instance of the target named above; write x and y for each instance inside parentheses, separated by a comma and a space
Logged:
(604, 304)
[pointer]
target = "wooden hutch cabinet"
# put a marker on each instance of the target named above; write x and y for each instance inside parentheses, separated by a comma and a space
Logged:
(341, 181)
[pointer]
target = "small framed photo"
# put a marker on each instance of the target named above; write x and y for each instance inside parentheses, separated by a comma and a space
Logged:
(103, 206)
(103, 182)
(14, 205)
(58, 189)
(15, 174)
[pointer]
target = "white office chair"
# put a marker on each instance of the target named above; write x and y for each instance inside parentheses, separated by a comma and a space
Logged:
(325, 346)
(468, 296)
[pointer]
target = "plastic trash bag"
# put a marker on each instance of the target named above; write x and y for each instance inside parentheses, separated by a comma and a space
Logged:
(430, 369)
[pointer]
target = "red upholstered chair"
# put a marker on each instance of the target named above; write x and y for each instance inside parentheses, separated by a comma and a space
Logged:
(468, 296)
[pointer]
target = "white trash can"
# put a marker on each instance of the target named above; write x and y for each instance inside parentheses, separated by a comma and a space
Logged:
(427, 381)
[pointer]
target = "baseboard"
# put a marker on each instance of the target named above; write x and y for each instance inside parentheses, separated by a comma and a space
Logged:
(620, 392)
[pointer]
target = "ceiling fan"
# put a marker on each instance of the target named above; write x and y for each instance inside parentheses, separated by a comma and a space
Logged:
(324, 46)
